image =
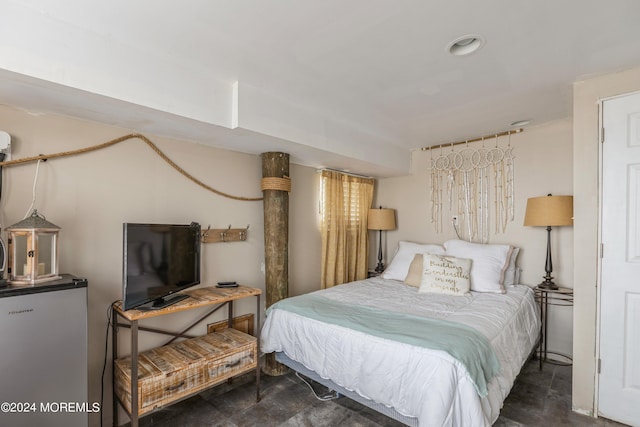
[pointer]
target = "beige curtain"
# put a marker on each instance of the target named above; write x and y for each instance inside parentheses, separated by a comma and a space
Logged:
(346, 200)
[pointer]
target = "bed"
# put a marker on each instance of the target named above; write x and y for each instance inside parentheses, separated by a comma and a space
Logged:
(423, 357)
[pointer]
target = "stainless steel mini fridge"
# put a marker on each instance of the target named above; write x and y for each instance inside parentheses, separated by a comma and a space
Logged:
(43, 354)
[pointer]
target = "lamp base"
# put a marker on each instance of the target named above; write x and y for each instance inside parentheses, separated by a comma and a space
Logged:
(379, 267)
(548, 284)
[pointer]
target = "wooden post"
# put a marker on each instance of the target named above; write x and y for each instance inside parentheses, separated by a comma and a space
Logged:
(275, 187)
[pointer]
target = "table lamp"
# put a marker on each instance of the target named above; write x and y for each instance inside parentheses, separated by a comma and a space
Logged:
(381, 219)
(549, 211)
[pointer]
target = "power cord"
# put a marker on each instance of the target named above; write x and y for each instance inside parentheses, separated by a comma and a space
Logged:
(324, 397)
(104, 364)
(35, 184)
(2, 157)
(455, 228)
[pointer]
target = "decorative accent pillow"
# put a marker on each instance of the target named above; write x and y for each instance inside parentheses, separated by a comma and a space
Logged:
(489, 263)
(414, 276)
(399, 266)
(444, 274)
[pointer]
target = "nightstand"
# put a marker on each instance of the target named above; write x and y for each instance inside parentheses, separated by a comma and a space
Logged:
(549, 297)
(373, 273)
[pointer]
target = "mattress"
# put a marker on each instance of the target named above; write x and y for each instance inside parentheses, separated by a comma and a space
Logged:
(429, 385)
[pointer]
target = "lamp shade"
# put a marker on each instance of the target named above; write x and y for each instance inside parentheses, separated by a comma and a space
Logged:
(381, 219)
(549, 211)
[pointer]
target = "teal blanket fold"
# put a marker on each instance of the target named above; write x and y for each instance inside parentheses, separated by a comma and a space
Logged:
(462, 342)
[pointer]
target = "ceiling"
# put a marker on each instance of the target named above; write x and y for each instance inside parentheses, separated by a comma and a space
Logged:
(353, 85)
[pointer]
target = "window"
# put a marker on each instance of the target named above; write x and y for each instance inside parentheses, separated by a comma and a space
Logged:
(345, 201)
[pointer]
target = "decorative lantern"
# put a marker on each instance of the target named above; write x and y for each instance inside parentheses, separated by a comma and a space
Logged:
(33, 250)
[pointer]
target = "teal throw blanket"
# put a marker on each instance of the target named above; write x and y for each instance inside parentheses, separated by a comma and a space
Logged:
(462, 342)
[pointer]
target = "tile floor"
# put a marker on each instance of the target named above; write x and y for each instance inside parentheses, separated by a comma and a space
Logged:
(538, 398)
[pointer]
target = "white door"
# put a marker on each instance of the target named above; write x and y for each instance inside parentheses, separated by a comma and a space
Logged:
(619, 381)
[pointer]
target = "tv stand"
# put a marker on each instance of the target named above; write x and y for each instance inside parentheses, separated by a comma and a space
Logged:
(146, 381)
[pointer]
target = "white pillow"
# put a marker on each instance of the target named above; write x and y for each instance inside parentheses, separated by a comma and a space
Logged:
(490, 262)
(510, 274)
(444, 274)
(399, 266)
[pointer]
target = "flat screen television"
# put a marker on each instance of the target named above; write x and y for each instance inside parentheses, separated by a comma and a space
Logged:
(159, 260)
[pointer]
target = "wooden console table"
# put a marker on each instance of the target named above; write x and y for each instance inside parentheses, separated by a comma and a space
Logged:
(144, 382)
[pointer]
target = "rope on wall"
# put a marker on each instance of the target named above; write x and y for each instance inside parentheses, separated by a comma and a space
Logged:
(125, 138)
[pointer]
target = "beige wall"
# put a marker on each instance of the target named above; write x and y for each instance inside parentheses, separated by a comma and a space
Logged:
(543, 164)
(304, 231)
(587, 96)
(91, 195)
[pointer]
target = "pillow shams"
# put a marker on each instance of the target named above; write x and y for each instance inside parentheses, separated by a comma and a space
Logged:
(444, 274)
(510, 276)
(399, 266)
(489, 263)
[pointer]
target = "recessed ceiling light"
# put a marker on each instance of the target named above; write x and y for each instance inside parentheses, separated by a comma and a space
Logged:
(465, 45)
(521, 123)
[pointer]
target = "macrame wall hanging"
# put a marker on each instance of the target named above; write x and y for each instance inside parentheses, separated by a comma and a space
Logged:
(476, 185)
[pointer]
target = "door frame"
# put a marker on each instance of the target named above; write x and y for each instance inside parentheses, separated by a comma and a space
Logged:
(596, 395)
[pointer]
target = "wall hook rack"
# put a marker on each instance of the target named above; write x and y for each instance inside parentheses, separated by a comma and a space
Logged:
(225, 235)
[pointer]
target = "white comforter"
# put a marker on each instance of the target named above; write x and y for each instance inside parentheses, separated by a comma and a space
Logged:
(427, 384)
